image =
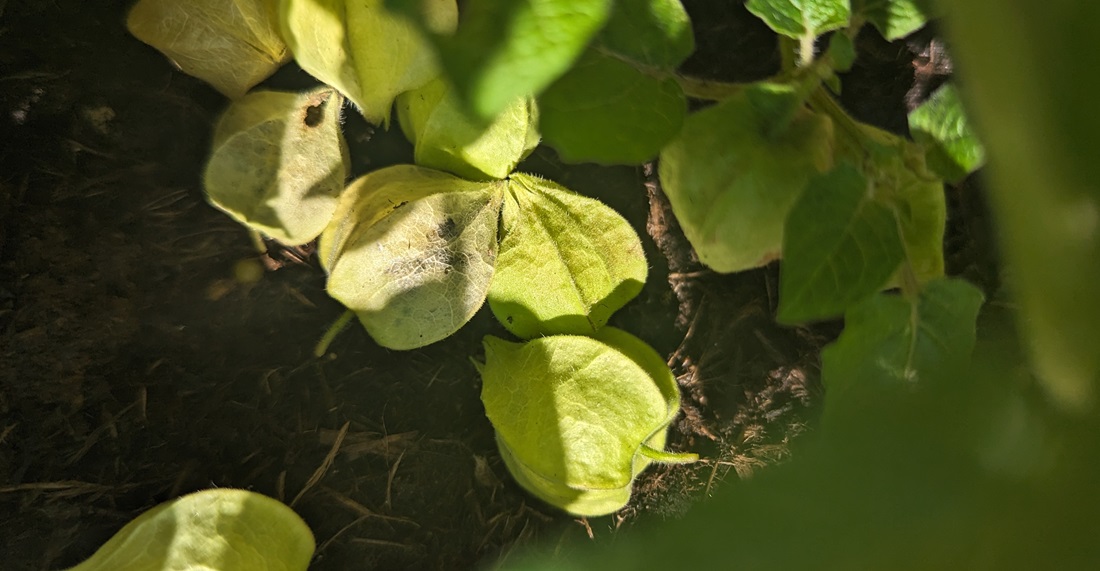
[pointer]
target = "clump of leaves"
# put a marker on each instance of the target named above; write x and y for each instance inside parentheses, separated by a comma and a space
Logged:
(773, 169)
(415, 250)
(776, 169)
(215, 530)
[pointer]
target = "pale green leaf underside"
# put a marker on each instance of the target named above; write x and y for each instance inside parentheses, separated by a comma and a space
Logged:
(413, 255)
(211, 530)
(735, 170)
(940, 125)
(796, 18)
(360, 48)
(655, 33)
(447, 138)
(892, 18)
(505, 50)
(607, 111)
(279, 163)
(839, 247)
(566, 263)
(230, 44)
(572, 412)
(893, 341)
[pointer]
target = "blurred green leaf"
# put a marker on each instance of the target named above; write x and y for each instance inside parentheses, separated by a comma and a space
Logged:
(215, 530)
(505, 50)
(651, 32)
(842, 50)
(581, 257)
(893, 18)
(839, 247)
(889, 339)
(796, 18)
(1036, 114)
(279, 163)
(604, 110)
(940, 125)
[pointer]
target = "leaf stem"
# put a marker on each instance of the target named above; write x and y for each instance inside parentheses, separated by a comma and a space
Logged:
(257, 241)
(668, 457)
(707, 89)
(806, 49)
(330, 335)
(823, 102)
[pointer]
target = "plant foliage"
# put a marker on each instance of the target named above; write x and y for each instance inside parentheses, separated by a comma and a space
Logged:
(214, 530)
(279, 163)
(577, 418)
(762, 171)
(230, 44)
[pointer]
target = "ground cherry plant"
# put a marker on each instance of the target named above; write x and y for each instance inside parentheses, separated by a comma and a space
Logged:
(763, 171)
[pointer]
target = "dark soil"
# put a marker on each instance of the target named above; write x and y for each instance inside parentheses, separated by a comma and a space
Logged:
(136, 365)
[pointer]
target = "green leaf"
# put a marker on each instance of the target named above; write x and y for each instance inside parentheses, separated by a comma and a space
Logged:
(505, 50)
(573, 413)
(940, 125)
(735, 170)
(411, 252)
(214, 530)
(840, 246)
(447, 138)
(279, 163)
(655, 33)
(364, 51)
(842, 51)
(893, 342)
(605, 110)
(921, 209)
(230, 44)
(797, 18)
(893, 18)
(902, 181)
(566, 263)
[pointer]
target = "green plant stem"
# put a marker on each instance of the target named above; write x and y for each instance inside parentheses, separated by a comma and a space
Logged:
(712, 90)
(788, 54)
(706, 89)
(335, 329)
(822, 102)
(257, 241)
(668, 457)
(806, 49)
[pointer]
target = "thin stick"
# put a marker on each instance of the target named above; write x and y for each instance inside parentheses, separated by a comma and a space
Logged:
(389, 482)
(325, 464)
